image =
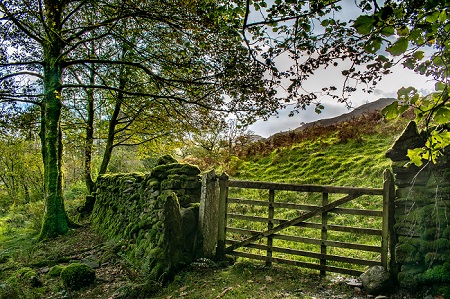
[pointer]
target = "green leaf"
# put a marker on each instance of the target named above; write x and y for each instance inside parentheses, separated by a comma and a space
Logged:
(443, 16)
(433, 17)
(403, 31)
(419, 55)
(439, 86)
(325, 23)
(416, 155)
(387, 31)
(373, 45)
(442, 115)
(399, 47)
(391, 111)
(364, 24)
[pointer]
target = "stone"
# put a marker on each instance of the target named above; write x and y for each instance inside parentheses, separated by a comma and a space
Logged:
(166, 159)
(381, 297)
(409, 139)
(92, 261)
(77, 275)
(376, 280)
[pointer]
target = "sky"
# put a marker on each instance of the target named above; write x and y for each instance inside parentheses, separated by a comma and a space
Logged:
(386, 88)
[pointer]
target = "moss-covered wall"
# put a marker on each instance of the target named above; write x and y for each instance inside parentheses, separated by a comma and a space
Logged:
(156, 213)
(422, 217)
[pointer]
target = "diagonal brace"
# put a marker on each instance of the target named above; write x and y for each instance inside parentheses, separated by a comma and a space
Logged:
(292, 222)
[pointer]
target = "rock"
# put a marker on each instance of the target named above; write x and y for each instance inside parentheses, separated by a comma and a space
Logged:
(354, 283)
(92, 261)
(376, 280)
(55, 271)
(77, 275)
(357, 291)
(381, 297)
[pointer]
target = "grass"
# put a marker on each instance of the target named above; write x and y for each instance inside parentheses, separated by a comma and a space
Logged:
(324, 160)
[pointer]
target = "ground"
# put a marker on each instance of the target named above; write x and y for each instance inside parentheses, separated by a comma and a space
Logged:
(116, 278)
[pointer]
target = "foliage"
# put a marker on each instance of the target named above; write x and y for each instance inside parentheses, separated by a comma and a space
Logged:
(416, 35)
(216, 144)
(21, 171)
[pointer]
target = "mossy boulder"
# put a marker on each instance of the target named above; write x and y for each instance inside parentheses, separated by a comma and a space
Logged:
(55, 271)
(166, 159)
(77, 276)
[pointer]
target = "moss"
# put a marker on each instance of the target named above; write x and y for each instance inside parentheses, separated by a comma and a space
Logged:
(148, 216)
(166, 159)
(55, 271)
(77, 275)
(407, 252)
(437, 274)
(408, 281)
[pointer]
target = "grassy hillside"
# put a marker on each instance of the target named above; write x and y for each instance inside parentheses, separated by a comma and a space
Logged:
(351, 154)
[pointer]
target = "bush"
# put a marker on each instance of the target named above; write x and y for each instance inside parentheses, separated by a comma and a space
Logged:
(77, 275)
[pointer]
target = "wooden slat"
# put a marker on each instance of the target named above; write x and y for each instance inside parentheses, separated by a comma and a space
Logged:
(337, 228)
(304, 188)
(311, 254)
(299, 264)
(250, 202)
(338, 244)
(222, 225)
(329, 243)
(302, 207)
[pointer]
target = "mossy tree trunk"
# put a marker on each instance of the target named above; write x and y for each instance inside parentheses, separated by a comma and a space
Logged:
(56, 221)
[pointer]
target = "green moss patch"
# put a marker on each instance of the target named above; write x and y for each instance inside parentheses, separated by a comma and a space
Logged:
(77, 276)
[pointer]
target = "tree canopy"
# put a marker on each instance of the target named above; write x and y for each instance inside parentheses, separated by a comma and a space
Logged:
(176, 61)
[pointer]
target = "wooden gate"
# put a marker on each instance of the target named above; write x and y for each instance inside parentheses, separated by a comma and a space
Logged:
(273, 231)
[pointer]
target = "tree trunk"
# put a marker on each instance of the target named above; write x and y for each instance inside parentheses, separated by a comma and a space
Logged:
(90, 185)
(56, 221)
(111, 134)
(112, 126)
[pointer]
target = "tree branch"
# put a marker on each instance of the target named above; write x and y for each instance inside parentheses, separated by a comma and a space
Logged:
(22, 73)
(197, 81)
(19, 24)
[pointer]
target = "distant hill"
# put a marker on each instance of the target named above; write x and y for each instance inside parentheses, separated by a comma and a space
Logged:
(371, 107)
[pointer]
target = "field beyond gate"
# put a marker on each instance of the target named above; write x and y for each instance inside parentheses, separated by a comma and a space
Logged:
(326, 228)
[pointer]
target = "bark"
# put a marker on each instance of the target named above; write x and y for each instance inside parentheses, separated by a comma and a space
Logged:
(90, 185)
(111, 134)
(112, 128)
(56, 221)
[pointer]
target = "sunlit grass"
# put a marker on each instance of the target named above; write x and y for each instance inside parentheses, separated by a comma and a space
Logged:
(324, 161)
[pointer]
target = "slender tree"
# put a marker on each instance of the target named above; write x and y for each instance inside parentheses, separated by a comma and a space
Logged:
(44, 41)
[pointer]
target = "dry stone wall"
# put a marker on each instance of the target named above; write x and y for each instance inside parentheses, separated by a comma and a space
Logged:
(156, 214)
(422, 217)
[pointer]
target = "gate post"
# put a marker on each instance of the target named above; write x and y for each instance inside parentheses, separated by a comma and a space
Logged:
(324, 236)
(208, 214)
(270, 226)
(387, 244)
(222, 219)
